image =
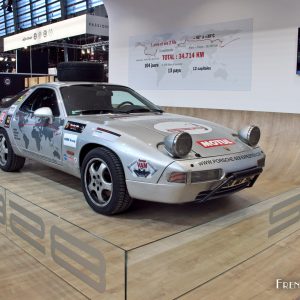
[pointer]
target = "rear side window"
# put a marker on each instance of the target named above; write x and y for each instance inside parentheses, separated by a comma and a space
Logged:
(8, 101)
(41, 97)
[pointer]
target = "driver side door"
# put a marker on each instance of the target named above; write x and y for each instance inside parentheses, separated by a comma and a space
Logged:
(41, 138)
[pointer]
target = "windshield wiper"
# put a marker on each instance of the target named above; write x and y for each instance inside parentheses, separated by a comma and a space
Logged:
(140, 109)
(143, 109)
(157, 110)
(96, 111)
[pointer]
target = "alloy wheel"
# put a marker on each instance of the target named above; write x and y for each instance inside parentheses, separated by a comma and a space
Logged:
(98, 182)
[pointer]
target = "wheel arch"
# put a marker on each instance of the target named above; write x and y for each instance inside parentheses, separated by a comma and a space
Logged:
(90, 146)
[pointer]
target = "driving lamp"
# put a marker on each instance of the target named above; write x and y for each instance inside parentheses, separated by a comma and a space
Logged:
(178, 144)
(250, 135)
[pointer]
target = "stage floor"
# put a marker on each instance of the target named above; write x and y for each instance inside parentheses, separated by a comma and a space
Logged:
(54, 246)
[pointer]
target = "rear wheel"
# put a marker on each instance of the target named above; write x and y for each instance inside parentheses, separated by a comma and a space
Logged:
(9, 161)
(103, 182)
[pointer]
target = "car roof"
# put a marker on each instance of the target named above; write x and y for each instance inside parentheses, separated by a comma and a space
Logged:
(70, 83)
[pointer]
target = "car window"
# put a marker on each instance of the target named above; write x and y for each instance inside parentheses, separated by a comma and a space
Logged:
(10, 100)
(42, 97)
(119, 97)
(96, 98)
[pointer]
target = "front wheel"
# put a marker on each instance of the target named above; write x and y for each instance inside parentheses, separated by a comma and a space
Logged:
(103, 182)
(9, 161)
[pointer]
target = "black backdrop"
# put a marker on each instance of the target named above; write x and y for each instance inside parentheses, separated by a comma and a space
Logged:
(11, 84)
(39, 61)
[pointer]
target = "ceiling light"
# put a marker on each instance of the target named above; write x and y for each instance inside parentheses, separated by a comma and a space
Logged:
(1, 58)
(13, 59)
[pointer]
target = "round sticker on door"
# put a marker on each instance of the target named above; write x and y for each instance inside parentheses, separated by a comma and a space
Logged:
(175, 127)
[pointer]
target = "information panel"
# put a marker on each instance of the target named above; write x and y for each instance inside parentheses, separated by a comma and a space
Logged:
(208, 57)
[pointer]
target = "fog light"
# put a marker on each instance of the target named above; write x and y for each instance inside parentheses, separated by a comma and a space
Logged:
(177, 177)
(208, 175)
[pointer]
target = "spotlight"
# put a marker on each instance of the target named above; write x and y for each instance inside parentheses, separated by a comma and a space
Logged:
(88, 51)
(5, 59)
(82, 51)
(13, 59)
(1, 58)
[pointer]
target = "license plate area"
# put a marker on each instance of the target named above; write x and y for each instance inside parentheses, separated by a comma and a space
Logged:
(239, 181)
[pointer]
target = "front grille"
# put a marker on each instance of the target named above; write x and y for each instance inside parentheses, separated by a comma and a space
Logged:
(228, 186)
(223, 191)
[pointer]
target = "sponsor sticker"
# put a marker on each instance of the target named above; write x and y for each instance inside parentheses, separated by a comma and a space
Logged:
(229, 159)
(75, 127)
(2, 116)
(177, 127)
(215, 143)
(70, 140)
(142, 168)
(16, 134)
(7, 121)
(23, 96)
(12, 109)
(70, 158)
(106, 134)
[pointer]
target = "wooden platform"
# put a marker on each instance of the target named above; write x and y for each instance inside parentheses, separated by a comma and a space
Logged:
(155, 251)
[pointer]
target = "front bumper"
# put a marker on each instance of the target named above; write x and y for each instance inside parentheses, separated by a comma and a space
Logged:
(237, 176)
(181, 193)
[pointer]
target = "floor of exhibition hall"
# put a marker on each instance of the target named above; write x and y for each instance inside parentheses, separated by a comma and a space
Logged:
(53, 246)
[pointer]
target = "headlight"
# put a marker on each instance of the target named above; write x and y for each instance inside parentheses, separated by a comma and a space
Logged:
(178, 144)
(250, 135)
(208, 175)
(196, 176)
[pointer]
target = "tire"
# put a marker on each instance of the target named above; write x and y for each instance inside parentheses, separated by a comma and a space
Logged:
(9, 161)
(80, 71)
(103, 182)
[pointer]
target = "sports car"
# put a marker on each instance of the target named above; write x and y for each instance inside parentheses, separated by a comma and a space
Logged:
(124, 147)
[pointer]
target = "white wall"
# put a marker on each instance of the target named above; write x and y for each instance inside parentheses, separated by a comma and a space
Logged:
(275, 85)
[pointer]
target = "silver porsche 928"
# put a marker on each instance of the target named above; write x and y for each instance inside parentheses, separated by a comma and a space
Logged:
(122, 146)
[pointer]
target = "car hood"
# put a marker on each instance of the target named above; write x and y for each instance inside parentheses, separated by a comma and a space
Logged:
(209, 139)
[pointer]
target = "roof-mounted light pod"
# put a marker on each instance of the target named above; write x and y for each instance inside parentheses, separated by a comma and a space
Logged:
(250, 135)
(178, 144)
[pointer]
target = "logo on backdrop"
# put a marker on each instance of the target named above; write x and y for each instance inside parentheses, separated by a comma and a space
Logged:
(7, 81)
(44, 34)
(92, 24)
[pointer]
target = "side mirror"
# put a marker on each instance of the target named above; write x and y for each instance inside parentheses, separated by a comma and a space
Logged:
(44, 112)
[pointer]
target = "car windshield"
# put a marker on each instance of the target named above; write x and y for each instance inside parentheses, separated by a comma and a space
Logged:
(98, 99)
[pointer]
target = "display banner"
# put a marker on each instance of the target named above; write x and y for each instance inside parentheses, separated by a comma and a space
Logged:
(84, 24)
(208, 57)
